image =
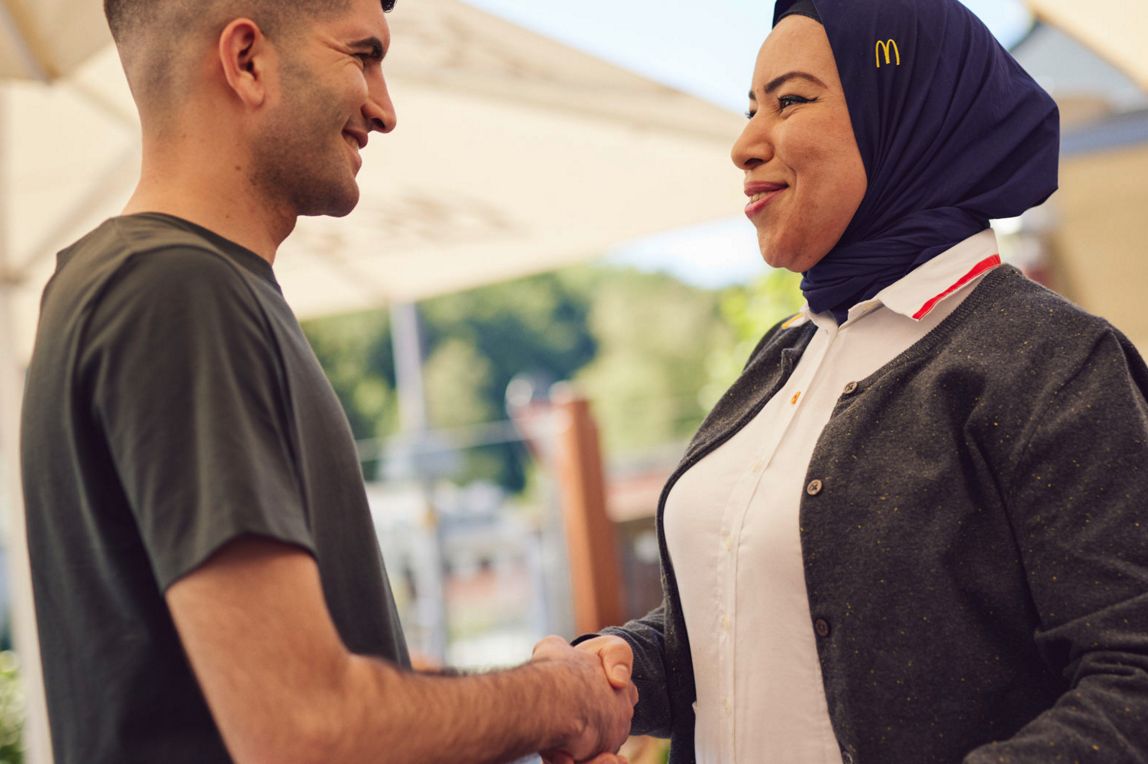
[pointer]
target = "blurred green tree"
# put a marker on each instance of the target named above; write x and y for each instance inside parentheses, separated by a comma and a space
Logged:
(749, 312)
(474, 344)
(655, 334)
(355, 351)
(11, 710)
(651, 352)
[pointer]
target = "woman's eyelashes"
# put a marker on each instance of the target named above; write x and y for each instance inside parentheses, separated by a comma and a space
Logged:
(783, 103)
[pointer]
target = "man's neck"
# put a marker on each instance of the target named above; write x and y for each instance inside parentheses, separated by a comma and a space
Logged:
(217, 196)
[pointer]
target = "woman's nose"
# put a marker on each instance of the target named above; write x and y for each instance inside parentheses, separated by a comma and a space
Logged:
(752, 147)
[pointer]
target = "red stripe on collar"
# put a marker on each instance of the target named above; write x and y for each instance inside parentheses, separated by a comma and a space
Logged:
(984, 265)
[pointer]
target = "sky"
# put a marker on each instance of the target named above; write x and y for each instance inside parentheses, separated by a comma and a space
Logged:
(705, 48)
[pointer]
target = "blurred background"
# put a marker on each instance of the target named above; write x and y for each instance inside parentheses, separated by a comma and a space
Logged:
(547, 284)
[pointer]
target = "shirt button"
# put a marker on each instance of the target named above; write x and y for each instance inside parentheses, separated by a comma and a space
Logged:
(726, 705)
(727, 541)
(814, 487)
(725, 623)
(850, 388)
(821, 626)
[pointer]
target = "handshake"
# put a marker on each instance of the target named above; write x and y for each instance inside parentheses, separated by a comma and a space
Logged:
(599, 695)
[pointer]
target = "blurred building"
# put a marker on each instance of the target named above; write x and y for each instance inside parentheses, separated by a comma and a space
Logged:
(1088, 241)
(467, 569)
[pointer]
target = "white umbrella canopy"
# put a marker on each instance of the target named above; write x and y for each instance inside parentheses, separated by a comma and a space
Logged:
(1115, 29)
(46, 39)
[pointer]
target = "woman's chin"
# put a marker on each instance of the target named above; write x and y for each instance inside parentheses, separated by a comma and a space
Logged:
(796, 259)
(780, 259)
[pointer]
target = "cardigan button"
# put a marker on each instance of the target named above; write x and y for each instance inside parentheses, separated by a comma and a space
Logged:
(821, 626)
(846, 757)
(850, 388)
(814, 487)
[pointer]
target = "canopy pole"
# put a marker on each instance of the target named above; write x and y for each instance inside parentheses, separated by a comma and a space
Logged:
(414, 422)
(37, 741)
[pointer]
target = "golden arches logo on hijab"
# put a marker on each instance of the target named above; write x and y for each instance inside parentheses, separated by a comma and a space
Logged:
(885, 46)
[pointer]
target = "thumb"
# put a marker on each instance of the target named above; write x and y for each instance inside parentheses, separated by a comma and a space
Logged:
(620, 675)
(617, 661)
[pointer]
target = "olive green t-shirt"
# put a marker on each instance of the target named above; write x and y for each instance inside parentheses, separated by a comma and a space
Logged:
(173, 404)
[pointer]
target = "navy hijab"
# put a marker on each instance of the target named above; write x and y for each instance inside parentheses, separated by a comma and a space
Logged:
(951, 130)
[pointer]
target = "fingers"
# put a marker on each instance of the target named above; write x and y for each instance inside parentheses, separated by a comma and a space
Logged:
(614, 653)
(548, 646)
(556, 757)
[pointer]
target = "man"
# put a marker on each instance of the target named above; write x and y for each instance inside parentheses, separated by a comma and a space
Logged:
(207, 583)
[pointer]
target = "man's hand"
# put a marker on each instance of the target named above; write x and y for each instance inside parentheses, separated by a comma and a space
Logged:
(603, 697)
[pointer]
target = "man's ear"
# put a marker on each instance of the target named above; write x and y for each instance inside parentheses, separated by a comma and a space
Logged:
(245, 54)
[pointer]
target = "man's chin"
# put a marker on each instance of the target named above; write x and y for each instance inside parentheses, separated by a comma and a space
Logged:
(337, 205)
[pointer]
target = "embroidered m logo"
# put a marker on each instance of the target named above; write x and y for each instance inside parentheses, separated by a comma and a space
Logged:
(887, 46)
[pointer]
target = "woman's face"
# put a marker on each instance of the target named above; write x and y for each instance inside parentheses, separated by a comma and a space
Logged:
(803, 172)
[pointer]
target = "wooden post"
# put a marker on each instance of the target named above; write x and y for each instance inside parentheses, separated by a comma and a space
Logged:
(596, 582)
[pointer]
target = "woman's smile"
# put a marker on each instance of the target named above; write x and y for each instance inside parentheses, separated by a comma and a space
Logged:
(760, 195)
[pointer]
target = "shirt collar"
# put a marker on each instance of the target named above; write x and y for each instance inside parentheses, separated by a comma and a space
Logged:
(921, 290)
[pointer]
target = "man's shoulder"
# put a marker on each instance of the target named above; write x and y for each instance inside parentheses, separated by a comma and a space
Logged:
(131, 272)
(143, 258)
(130, 242)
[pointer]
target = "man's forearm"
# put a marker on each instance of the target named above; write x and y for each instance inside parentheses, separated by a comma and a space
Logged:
(400, 717)
(283, 688)
(395, 716)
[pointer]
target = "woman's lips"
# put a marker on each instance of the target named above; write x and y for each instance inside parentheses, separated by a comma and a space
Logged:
(760, 195)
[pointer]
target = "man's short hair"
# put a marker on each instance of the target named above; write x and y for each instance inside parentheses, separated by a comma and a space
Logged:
(125, 16)
(151, 33)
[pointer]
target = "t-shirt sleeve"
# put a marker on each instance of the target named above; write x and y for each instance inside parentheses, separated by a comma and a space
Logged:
(187, 385)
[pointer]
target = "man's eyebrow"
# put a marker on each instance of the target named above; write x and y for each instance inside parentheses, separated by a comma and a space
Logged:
(374, 45)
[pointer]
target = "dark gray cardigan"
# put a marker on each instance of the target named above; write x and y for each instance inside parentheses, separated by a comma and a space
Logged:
(976, 548)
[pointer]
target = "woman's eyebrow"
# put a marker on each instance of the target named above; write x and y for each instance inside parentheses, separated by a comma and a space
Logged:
(777, 82)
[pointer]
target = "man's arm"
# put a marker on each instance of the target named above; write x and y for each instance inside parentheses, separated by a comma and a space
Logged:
(283, 688)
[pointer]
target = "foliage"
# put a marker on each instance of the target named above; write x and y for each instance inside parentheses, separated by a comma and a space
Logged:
(749, 312)
(11, 710)
(356, 353)
(474, 344)
(651, 352)
(655, 334)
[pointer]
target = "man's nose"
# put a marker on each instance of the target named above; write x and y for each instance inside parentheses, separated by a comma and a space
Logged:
(379, 109)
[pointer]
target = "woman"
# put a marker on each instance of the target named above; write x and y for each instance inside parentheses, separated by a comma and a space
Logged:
(914, 529)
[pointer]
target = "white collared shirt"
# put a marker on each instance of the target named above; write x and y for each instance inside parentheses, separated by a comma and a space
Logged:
(731, 525)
